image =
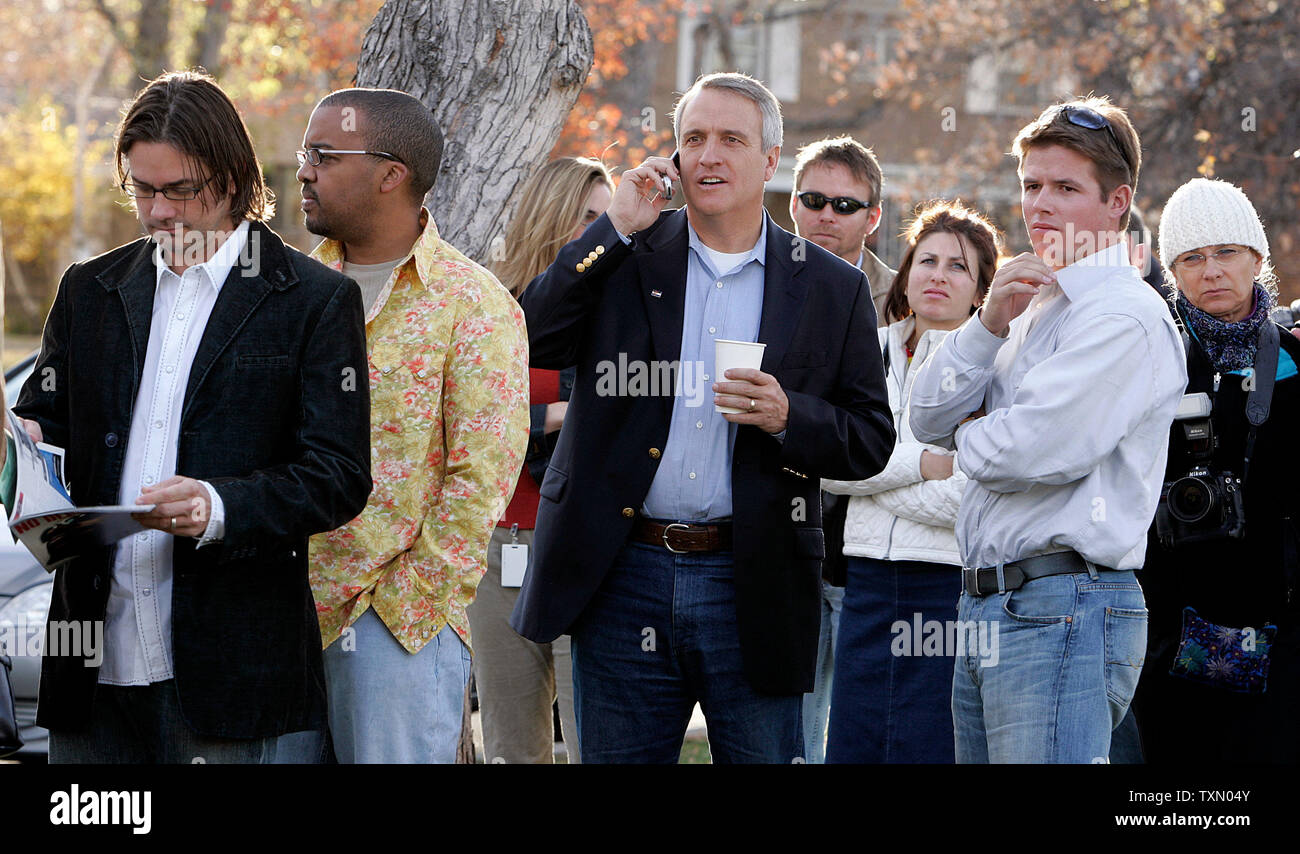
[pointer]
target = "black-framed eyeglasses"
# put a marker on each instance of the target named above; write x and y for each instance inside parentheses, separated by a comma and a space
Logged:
(840, 204)
(136, 190)
(1224, 255)
(315, 155)
(1086, 117)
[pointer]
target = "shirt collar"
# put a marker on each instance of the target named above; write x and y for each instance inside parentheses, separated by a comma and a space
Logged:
(423, 251)
(757, 253)
(218, 267)
(1091, 270)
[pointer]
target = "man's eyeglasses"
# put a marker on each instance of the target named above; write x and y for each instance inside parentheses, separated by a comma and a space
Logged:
(315, 155)
(1224, 255)
(137, 190)
(1085, 117)
(839, 204)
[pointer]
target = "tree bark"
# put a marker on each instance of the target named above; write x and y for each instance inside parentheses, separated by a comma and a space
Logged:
(211, 36)
(501, 77)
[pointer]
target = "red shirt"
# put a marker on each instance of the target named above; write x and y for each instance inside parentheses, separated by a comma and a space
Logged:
(544, 387)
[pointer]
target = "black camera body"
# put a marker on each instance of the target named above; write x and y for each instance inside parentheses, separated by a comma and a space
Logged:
(1204, 503)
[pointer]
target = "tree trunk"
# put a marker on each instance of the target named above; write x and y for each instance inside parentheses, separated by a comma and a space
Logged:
(212, 36)
(501, 77)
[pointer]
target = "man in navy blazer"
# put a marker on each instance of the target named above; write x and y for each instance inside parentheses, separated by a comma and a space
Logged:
(679, 546)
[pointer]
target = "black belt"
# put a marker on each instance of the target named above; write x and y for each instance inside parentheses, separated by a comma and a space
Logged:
(982, 582)
(679, 537)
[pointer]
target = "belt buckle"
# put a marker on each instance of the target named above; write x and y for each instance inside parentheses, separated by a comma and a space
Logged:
(970, 577)
(668, 528)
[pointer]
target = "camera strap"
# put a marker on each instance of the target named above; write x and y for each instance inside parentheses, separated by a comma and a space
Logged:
(1260, 399)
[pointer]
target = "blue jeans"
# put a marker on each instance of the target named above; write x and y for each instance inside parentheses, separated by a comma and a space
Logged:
(142, 724)
(817, 703)
(658, 636)
(1070, 650)
(892, 701)
(389, 706)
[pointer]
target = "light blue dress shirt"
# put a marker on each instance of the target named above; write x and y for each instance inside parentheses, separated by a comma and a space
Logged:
(693, 482)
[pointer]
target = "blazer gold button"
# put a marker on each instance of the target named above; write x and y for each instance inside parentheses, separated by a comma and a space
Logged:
(582, 267)
(592, 256)
(655, 453)
(600, 250)
(629, 512)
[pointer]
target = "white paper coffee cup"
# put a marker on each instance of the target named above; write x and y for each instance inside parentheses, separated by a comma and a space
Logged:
(735, 354)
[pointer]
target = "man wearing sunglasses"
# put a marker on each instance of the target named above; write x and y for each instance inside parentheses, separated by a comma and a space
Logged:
(201, 370)
(449, 427)
(1058, 396)
(836, 204)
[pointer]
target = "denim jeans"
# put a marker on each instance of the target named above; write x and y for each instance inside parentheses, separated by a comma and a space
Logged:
(817, 703)
(1070, 650)
(658, 636)
(389, 706)
(142, 724)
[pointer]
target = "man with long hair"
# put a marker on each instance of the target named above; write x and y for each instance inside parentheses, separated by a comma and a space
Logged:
(208, 370)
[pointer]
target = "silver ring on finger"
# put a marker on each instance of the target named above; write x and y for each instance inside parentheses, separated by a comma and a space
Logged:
(173, 520)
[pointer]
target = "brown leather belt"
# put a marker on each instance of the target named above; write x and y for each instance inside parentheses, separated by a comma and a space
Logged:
(678, 537)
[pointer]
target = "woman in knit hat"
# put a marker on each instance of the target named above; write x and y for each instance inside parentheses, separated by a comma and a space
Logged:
(1222, 676)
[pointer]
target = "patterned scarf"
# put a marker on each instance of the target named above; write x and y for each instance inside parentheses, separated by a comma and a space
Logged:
(1229, 346)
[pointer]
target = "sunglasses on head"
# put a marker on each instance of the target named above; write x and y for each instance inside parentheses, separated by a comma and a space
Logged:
(839, 204)
(1086, 117)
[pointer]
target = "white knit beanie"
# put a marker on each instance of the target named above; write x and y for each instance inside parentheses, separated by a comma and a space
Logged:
(1209, 213)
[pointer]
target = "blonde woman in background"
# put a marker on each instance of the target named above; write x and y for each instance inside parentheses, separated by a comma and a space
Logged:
(518, 680)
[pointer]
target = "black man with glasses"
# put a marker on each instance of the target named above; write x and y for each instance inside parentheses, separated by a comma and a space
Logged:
(199, 370)
(1057, 395)
(449, 431)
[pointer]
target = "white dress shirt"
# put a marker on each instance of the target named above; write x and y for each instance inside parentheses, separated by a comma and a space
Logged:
(138, 630)
(1079, 398)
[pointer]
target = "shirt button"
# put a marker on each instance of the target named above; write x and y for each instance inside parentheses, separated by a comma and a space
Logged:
(169, 368)
(692, 475)
(180, 315)
(143, 536)
(157, 425)
(148, 478)
(110, 440)
(712, 329)
(699, 425)
(719, 284)
(654, 453)
(629, 512)
(706, 376)
(147, 592)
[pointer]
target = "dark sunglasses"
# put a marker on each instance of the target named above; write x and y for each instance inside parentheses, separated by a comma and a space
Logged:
(839, 204)
(1086, 117)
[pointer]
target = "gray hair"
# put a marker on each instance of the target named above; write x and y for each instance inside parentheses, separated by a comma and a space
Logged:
(742, 84)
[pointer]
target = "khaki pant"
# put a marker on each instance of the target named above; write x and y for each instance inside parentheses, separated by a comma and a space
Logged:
(517, 680)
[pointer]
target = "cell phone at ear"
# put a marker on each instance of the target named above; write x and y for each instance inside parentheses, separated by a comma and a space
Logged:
(668, 182)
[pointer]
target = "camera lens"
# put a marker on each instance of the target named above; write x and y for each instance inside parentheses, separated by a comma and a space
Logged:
(1190, 500)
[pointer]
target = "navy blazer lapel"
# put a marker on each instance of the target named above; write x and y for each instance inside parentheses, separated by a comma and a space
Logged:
(243, 291)
(663, 286)
(783, 294)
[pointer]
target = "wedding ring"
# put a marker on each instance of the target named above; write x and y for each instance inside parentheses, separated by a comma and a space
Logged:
(173, 523)
(751, 404)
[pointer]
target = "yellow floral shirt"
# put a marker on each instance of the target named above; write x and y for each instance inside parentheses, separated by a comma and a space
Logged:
(448, 431)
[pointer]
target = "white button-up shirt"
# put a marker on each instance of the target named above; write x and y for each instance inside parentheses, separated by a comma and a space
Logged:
(1079, 398)
(138, 630)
